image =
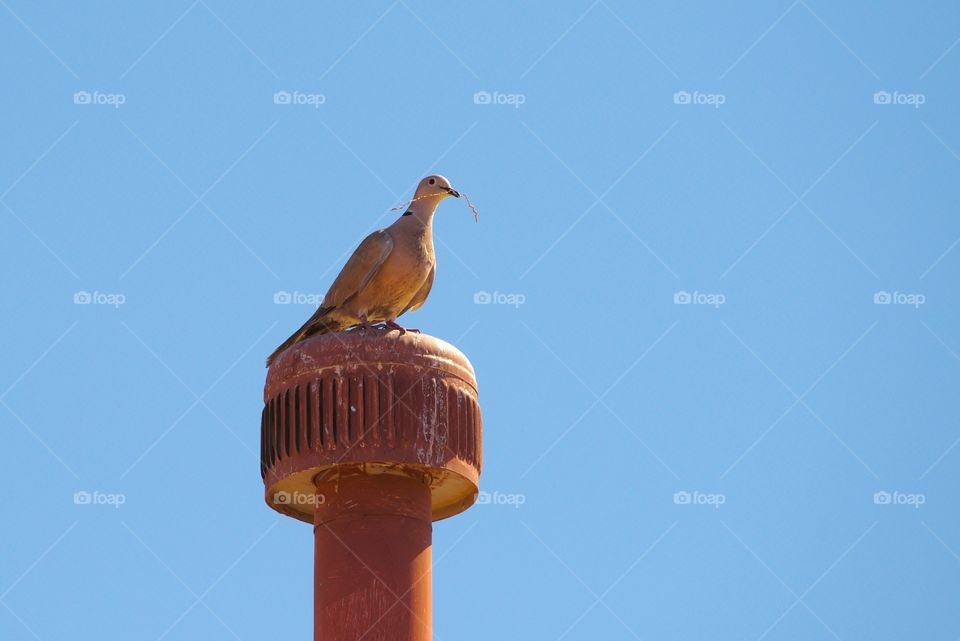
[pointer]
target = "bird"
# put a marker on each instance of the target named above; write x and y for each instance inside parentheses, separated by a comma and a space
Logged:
(390, 273)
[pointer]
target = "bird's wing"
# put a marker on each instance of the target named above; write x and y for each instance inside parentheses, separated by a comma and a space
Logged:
(360, 269)
(421, 296)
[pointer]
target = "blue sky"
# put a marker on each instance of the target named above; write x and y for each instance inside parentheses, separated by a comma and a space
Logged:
(718, 364)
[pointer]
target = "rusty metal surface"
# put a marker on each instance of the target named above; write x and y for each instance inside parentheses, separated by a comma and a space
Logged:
(406, 404)
(372, 577)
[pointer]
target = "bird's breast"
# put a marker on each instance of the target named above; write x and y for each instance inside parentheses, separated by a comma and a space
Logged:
(399, 279)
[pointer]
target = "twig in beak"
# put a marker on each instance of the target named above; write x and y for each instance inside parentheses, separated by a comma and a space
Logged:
(458, 194)
(476, 214)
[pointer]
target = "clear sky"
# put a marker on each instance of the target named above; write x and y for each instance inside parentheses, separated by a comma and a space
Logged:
(708, 302)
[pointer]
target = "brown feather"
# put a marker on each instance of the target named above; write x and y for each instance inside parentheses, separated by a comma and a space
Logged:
(320, 323)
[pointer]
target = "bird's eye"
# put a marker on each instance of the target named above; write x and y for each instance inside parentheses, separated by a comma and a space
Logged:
(432, 181)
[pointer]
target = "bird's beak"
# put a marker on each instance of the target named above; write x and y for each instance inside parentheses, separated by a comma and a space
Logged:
(453, 192)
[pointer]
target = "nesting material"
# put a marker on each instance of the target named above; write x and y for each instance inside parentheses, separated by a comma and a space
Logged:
(476, 214)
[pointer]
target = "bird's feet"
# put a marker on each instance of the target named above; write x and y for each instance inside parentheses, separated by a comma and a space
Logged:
(403, 330)
(364, 324)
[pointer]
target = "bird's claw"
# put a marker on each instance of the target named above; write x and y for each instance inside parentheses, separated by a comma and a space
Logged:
(364, 325)
(403, 330)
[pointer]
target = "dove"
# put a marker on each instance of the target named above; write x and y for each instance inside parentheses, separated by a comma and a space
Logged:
(389, 274)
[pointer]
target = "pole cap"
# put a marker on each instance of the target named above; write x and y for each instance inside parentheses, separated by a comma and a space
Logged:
(376, 401)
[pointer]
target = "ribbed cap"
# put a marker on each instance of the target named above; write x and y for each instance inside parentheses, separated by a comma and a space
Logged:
(389, 403)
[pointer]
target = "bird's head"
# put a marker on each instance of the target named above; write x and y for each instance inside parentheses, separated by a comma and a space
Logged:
(435, 187)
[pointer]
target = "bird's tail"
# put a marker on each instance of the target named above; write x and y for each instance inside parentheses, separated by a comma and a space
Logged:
(319, 323)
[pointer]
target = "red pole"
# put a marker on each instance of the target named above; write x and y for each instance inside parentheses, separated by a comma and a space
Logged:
(373, 558)
(371, 437)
